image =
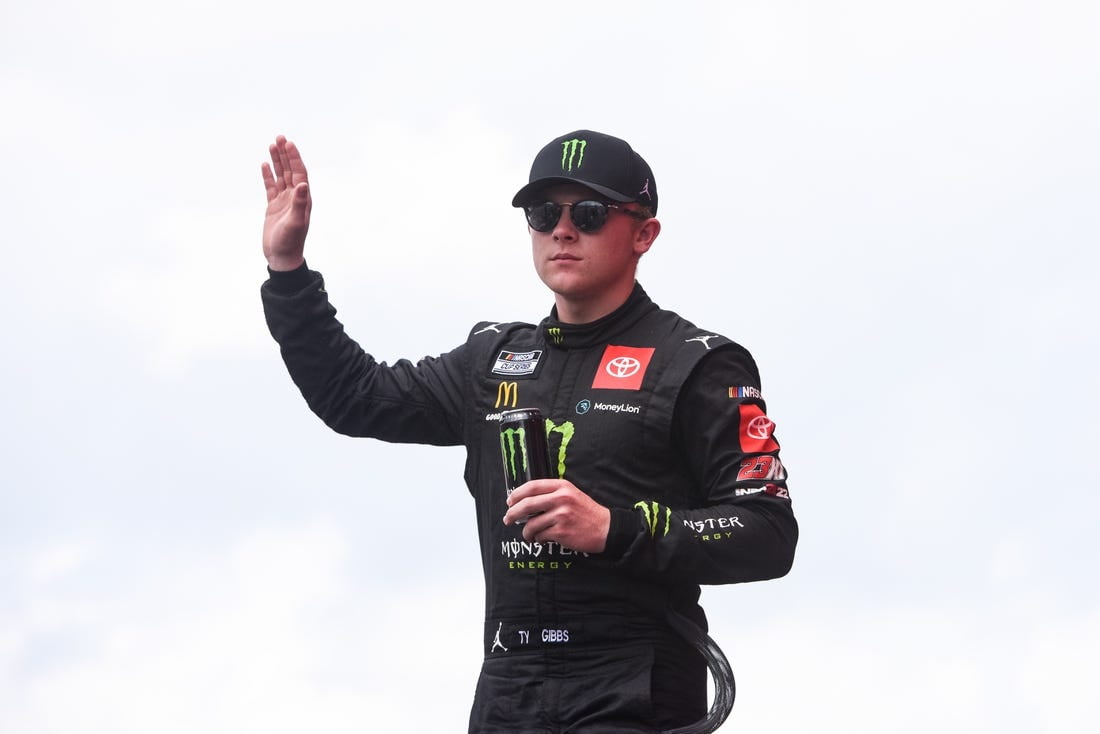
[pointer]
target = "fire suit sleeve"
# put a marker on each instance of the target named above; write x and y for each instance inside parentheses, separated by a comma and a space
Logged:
(741, 526)
(347, 388)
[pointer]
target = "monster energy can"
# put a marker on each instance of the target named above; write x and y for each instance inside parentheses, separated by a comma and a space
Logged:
(523, 447)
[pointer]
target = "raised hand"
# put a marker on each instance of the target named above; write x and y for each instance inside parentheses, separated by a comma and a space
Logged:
(288, 206)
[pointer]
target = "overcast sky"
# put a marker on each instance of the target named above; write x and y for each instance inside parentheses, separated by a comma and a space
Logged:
(893, 205)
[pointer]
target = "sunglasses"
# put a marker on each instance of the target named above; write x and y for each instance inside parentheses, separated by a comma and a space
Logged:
(587, 216)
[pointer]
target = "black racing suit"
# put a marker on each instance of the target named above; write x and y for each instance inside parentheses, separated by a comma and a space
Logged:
(654, 418)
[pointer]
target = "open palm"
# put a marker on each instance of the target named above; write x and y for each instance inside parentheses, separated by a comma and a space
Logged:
(288, 206)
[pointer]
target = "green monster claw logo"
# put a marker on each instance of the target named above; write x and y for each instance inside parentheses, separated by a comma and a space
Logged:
(555, 334)
(652, 512)
(569, 150)
(516, 461)
(566, 431)
(508, 450)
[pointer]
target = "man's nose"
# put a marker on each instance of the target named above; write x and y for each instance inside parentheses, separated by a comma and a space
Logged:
(565, 229)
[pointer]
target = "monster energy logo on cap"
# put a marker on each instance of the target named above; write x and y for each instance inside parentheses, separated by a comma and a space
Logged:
(569, 153)
(603, 163)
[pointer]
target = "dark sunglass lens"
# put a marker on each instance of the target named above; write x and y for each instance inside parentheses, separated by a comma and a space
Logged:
(589, 216)
(542, 217)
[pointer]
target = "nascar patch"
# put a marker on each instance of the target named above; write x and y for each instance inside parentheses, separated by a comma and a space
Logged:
(513, 364)
(745, 391)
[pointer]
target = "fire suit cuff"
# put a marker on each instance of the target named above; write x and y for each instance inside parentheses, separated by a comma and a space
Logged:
(625, 525)
(288, 282)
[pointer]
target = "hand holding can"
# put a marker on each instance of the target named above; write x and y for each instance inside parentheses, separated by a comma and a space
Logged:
(523, 448)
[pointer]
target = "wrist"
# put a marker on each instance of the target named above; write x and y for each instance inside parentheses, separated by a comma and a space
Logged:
(623, 528)
(288, 282)
(283, 264)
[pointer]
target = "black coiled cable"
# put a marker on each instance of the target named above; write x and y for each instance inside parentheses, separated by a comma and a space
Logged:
(725, 688)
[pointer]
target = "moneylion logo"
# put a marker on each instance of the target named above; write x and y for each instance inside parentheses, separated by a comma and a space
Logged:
(569, 153)
(555, 334)
(507, 392)
(652, 513)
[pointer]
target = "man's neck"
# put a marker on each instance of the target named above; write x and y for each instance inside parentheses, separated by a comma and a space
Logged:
(585, 311)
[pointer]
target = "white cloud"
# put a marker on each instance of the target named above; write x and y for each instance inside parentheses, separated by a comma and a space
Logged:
(269, 634)
(58, 562)
(993, 669)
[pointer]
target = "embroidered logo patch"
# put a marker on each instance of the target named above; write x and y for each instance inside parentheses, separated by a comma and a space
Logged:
(516, 363)
(761, 467)
(756, 430)
(622, 368)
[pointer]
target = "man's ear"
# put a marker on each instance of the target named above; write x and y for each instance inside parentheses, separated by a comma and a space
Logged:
(645, 235)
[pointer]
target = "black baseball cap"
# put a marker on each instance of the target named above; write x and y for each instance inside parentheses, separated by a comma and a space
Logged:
(605, 164)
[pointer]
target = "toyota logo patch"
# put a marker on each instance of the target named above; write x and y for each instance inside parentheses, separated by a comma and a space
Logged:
(622, 368)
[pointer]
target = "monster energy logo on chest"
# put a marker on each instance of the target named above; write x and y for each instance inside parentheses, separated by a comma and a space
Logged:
(572, 151)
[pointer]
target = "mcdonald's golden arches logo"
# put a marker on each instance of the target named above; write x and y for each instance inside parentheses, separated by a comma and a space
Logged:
(507, 392)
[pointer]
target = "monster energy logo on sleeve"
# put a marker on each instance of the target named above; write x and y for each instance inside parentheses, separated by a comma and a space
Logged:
(569, 151)
(652, 513)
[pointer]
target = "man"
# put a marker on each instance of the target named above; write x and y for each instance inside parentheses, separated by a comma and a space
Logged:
(668, 468)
